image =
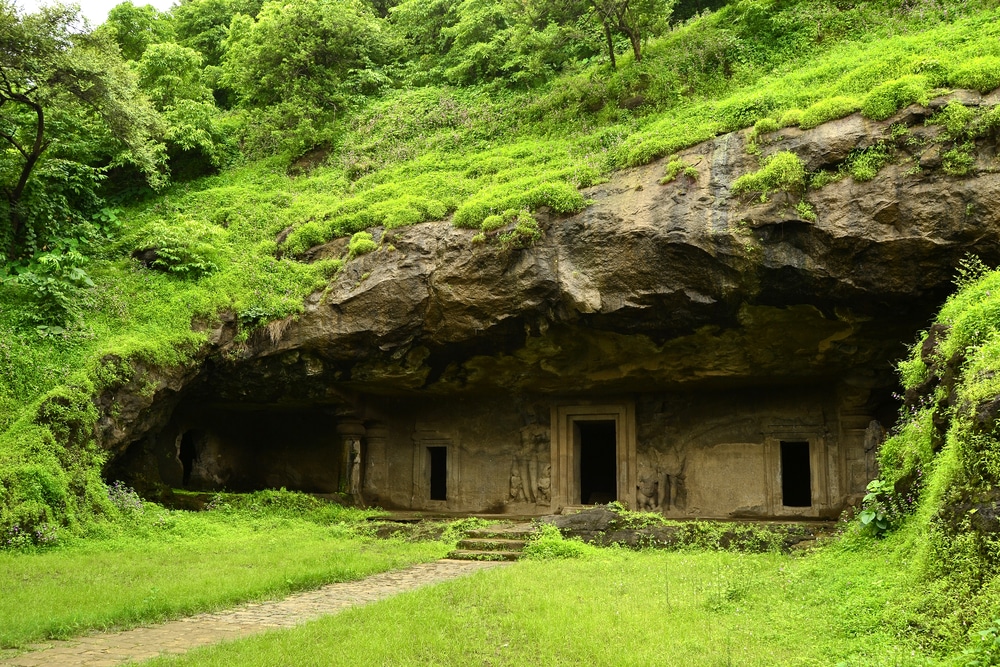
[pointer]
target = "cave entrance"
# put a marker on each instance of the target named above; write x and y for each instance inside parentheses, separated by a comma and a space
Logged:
(796, 474)
(208, 447)
(438, 459)
(598, 444)
(187, 453)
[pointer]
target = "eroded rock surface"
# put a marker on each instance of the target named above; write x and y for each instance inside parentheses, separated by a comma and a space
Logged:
(680, 282)
(715, 315)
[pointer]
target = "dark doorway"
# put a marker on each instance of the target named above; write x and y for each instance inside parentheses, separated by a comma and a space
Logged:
(187, 454)
(439, 472)
(598, 461)
(796, 476)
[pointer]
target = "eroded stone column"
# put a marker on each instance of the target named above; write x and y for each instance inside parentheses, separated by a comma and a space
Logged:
(376, 470)
(351, 431)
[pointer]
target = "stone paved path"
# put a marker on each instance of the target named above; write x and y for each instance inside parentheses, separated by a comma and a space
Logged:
(180, 636)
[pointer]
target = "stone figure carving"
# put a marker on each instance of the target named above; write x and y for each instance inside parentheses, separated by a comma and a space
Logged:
(545, 484)
(525, 481)
(653, 490)
(355, 484)
(661, 483)
(649, 491)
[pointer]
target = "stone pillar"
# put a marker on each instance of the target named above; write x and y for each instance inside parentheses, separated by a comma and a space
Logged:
(350, 431)
(376, 470)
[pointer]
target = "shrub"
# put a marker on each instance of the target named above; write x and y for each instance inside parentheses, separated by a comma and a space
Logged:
(549, 544)
(55, 281)
(829, 109)
(742, 112)
(523, 194)
(820, 179)
(982, 74)
(42, 535)
(186, 247)
(307, 236)
(361, 244)
(887, 98)
(125, 499)
(781, 171)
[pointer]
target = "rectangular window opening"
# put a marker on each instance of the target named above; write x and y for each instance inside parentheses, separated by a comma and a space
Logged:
(796, 475)
(439, 472)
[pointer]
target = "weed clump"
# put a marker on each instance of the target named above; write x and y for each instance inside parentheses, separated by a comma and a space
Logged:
(805, 211)
(864, 165)
(361, 244)
(677, 167)
(891, 96)
(510, 230)
(958, 161)
(782, 171)
(827, 109)
(982, 74)
(549, 544)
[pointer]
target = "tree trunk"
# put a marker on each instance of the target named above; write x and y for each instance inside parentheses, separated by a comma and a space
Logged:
(31, 156)
(611, 45)
(634, 37)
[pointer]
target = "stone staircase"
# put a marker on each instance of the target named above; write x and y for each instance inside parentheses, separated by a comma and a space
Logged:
(504, 543)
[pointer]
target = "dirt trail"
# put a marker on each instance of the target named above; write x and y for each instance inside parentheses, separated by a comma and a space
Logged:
(182, 635)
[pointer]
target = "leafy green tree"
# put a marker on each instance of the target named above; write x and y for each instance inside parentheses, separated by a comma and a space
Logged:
(69, 105)
(520, 42)
(635, 19)
(173, 78)
(203, 25)
(135, 28)
(314, 52)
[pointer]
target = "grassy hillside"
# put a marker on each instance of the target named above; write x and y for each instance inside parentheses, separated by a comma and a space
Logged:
(466, 154)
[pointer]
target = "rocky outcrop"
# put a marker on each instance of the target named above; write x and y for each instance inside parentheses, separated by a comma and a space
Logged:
(682, 284)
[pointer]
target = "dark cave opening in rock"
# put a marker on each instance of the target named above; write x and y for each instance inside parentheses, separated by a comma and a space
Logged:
(598, 450)
(186, 454)
(796, 475)
(241, 447)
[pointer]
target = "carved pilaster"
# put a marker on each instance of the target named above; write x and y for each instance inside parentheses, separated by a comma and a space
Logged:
(376, 465)
(350, 431)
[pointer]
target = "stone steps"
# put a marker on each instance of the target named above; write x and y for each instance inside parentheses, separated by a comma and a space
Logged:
(469, 554)
(491, 544)
(487, 544)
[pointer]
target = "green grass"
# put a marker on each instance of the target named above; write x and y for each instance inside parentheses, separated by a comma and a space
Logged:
(838, 605)
(170, 564)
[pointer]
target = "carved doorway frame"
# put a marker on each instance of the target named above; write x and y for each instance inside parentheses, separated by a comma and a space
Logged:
(818, 457)
(566, 449)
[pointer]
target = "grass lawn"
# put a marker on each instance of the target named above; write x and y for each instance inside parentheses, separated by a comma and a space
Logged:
(179, 563)
(835, 606)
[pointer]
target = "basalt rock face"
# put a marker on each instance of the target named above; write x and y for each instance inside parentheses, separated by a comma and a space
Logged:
(651, 284)
(715, 331)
